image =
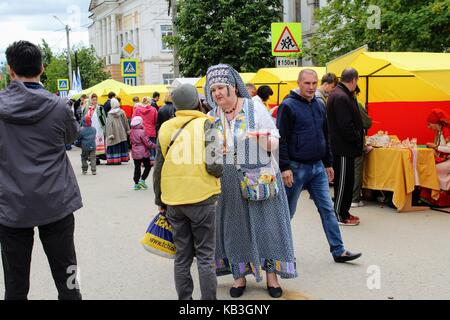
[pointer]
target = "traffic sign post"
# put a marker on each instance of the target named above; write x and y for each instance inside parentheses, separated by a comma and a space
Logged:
(63, 87)
(131, 81)
(286, 39)
(130, 68)
(283, 62)
(129, 49)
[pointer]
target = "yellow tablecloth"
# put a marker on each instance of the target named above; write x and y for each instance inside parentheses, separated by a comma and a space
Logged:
(393, 170)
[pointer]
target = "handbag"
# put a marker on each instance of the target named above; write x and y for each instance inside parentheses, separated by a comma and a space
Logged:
(257, 183)
(159, 239)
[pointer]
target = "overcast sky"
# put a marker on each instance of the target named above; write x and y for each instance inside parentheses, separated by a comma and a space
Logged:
(33, 20)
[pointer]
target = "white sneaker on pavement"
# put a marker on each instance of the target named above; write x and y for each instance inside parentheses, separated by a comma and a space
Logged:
(358, 204)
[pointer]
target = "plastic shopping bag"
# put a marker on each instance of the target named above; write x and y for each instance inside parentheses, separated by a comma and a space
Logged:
(159, 239)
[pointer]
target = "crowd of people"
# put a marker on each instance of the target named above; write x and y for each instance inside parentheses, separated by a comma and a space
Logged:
(256, 198)
(227, 174)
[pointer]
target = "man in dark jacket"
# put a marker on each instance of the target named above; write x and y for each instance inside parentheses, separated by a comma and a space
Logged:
(78, 107)
(156, 97)
(107, 105)
(167, 112)
(305, 158)
(37, 182)
(346, 139)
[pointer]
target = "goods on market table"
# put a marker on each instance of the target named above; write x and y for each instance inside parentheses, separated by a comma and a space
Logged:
(383, 140)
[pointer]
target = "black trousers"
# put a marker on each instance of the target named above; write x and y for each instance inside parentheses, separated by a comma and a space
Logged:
(58, 242)
(344, 179)
(137, 169)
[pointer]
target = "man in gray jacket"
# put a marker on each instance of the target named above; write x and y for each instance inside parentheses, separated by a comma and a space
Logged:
(38, 187)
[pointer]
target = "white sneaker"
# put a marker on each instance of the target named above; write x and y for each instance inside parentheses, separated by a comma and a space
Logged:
(358, 204)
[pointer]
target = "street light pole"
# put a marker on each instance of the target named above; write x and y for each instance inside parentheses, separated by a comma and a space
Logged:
(176, 60)
(68, 55)
(69, 60)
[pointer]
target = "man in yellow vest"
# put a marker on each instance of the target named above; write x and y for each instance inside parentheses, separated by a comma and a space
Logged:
(186, 181)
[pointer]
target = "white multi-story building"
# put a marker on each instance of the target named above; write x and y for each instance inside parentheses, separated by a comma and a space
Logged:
(140, 22)
(303, 11)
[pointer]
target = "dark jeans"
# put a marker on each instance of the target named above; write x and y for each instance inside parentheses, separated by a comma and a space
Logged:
(137, 169)
(58, 242)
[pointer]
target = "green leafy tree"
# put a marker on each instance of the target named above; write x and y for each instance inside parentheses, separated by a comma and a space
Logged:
(92, 70)
(47, 56)
(4, 76)
(404, 25)
(56, 69)
(236, 32)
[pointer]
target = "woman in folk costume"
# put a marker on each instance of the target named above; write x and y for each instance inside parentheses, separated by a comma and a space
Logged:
(439, 121)
(251, 235)
(97, 118)
(117, 131)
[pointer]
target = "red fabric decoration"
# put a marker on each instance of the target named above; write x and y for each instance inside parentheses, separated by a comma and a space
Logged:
(438, 116)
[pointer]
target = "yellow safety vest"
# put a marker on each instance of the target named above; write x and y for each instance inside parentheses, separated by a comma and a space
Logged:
(184, 179)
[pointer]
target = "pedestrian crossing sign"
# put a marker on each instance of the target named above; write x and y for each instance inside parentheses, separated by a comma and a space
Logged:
(63, 85)
(130, 67)
(286, 39)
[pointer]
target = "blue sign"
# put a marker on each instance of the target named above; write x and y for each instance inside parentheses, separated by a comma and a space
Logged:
(130, 67)
(63, 85)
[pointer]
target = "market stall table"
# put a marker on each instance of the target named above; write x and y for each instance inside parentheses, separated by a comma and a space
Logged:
(399, 171)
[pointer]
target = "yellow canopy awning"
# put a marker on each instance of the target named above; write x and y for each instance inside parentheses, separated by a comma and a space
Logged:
(246, 77)
(282, 80)
(103, 88)
(127, 94)
(398, 76)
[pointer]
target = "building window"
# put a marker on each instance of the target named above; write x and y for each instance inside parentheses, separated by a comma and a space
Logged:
(314, 3)
(166, 30)
(168, 78)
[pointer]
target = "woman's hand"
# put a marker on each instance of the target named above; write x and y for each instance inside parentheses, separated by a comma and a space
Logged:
(431, 145)
(265, 140)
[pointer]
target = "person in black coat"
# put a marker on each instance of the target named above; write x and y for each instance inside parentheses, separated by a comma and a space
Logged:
(154, 102)
(167, 112)
(107, 106)
(346, 140)
(78, 107)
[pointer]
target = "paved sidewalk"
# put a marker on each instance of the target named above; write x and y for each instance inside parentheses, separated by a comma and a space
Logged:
(411, 250)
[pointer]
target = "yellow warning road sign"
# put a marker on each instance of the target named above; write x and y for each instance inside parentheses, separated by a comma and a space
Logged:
(286, 39)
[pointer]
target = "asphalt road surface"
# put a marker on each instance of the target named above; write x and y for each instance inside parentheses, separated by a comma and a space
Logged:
(405, 255)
